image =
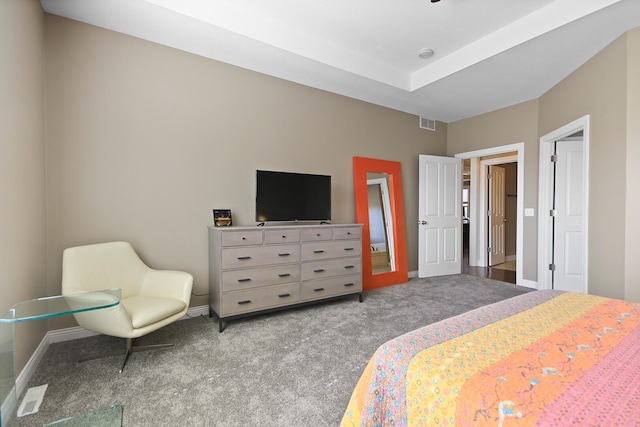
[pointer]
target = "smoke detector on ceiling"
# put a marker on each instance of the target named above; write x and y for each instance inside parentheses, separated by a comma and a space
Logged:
(426, 53)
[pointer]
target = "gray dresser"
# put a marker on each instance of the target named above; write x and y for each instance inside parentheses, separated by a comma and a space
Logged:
(258, 269)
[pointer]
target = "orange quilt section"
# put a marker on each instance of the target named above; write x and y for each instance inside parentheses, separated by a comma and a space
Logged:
(508, 369)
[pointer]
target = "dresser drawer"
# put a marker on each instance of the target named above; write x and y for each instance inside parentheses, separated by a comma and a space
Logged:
(234, 280)
(281, 236)
(317, 234)
(259, 255)
(259, 299)
(241, 238)
(330, 268)
(338, 249)
(319, 289)
(344, 233)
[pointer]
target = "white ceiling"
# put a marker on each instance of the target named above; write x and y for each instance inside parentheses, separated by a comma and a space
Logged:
(489, 54)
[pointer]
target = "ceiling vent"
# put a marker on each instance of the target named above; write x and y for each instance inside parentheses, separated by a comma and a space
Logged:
(429, 124)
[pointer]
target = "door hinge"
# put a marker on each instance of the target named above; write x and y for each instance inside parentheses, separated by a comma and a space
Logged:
(552, 267)
(554, 158)
(489, 249)
(553, 212)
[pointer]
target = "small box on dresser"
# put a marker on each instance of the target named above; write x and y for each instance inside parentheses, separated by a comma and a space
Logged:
(253, 270)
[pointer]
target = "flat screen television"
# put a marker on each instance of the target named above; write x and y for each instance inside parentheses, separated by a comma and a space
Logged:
(288, 196)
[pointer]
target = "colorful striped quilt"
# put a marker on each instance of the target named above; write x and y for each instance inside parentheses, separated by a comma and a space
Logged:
(545, 358)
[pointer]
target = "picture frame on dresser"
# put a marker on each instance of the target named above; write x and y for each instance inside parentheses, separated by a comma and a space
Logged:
(222, 218)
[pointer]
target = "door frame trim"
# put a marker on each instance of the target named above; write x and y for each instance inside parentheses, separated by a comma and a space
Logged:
(544, 201)
(477, 192)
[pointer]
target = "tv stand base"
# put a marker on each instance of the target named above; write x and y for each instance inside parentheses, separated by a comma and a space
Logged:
(222, 321)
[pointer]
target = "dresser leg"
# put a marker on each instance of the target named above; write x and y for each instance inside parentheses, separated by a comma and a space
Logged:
(360, 297)
(221, 325)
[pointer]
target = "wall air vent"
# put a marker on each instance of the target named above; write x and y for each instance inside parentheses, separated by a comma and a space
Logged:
(429, 124)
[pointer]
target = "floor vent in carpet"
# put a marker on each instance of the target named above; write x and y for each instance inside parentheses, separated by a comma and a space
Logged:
(32, 400)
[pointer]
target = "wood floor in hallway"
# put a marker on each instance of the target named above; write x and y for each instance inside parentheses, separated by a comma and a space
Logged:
(491, 273)
(488, 272)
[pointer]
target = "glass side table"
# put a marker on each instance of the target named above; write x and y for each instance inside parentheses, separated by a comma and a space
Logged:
(40, 308)
(108, 416)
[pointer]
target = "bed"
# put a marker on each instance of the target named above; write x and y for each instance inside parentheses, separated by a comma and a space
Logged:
(544, 358)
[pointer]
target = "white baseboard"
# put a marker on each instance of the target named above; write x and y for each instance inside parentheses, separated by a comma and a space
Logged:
(202, 310)
(529, 283)
(68, 334)
(58, 335)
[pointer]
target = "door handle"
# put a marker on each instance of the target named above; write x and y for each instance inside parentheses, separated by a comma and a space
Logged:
(422, 223)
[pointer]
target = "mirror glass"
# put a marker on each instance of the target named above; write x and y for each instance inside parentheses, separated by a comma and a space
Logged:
(380, 210)
(380, 223)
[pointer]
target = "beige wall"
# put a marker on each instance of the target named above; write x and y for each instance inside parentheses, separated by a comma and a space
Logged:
(632, 232)
(598, 88)
(515, 124)
(22, 154)
(144, 141)
(608, 89)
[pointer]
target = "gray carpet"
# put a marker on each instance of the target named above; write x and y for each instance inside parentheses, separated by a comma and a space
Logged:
(291, 368)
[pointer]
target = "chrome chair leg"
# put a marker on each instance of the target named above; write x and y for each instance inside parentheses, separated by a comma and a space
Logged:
(129, 348)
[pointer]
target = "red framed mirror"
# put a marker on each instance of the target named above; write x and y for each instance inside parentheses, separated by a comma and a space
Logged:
(380, 210)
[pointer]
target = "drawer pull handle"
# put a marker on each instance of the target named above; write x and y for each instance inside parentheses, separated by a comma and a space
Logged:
(284, 295)
(244, 238)
(284, 237)
(242, 258)
(318, 235)
(318, 289)
(320, 270)
(244, 280)
(284, 275)
(349, 266)
(348, 249)
(320, 251)
(285, 254)
(348, 284)
(248, 301)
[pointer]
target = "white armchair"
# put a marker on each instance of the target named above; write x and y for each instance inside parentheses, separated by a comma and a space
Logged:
(150, 300)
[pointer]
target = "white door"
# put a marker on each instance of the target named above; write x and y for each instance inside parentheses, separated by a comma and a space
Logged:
(569, 210)
(439, 216)
(496, 215)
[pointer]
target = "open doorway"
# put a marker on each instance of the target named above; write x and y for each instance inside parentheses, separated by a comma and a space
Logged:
(563, 193)
(501, 220)
(476, 243)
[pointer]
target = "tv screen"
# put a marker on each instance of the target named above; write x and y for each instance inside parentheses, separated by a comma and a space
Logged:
(287, 196)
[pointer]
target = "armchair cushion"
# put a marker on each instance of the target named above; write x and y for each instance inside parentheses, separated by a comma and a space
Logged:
(147, 310)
